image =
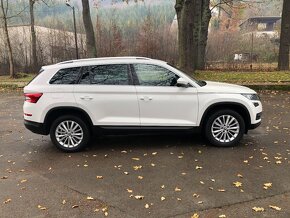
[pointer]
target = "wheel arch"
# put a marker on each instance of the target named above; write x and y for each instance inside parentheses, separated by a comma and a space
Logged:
(237, 107)
(56, 112)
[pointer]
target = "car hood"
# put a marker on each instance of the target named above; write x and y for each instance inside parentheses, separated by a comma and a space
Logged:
(217, 87)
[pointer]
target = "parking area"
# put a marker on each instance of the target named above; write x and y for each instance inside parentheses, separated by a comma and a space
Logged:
(146, 176)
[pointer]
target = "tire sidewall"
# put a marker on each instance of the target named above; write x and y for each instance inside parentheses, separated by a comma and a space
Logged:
(86, 132)
(217, 114)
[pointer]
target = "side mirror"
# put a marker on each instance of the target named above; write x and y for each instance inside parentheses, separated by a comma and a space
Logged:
(182, 83)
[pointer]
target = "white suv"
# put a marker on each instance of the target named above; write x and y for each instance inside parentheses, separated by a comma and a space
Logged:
(75, 100)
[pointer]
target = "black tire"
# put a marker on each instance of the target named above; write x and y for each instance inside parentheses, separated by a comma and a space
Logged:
(209, 124)
(85, 131)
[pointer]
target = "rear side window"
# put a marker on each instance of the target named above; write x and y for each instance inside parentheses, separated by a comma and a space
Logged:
(66, 76)
(115, 74)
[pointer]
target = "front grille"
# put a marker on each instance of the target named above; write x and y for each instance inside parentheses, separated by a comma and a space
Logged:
(259, 116)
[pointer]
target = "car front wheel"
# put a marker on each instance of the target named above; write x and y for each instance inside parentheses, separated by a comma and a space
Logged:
(69, 133)
(225, 128)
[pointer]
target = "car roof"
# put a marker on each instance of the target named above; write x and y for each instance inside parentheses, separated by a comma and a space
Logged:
(103, 60)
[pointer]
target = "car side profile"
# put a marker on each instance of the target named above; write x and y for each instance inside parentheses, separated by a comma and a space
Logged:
(73, 101)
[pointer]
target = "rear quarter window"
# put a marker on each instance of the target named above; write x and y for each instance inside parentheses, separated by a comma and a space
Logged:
(66, 76)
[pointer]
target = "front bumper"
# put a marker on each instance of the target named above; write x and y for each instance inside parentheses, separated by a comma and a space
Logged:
(38, 128)
(254, 126)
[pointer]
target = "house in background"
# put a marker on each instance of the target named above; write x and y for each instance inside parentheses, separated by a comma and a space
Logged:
(261, 27)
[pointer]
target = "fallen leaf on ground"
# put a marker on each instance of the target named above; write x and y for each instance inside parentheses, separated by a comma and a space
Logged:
(63, 202)
(41, 207)
(162, 198)
(140, 177)
(275, 207)
(267, 185)
(222, 216)
(4, 177)
(23, 181)
(154, 153)
(99, 177)
(137, 167)
(237, 184)
(7, 201)
(139, 197)
(90, 198)
(177, 189)
(126, 173)
(129, 190)
(240, 175)
(135, 158)
(147, 206)
(221, 190)
(258, 209)
(195, 215)
(75, 206)
(198, 167)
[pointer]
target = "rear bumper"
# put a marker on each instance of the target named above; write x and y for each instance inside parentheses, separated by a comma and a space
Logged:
(38, 128)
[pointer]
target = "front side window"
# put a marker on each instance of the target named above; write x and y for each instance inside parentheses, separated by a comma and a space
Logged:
(115, 74)
(152, 75)
(66, 76)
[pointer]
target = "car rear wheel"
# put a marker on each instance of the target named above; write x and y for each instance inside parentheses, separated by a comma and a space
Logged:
(69, 133)
(225, 128)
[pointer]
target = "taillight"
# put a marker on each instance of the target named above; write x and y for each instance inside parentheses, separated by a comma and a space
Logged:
(32, 97)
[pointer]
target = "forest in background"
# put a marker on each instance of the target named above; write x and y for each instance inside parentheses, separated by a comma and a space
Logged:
(144, 28)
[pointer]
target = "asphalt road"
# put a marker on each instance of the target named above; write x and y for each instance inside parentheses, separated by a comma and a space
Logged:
(174, 175)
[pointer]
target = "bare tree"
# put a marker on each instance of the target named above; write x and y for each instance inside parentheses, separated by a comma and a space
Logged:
(4, 6)
(90, 34)
(283, 62)
(33, 34)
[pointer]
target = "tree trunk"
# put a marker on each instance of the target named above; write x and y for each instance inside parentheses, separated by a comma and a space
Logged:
(283, 62)
(184, 11)
(203, 34)
(90, 35)
(33, 35)
(7, 41)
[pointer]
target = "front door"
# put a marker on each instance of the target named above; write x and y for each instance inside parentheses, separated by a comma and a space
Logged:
(161, 102)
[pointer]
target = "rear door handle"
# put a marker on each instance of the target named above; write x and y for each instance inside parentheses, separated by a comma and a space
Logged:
(146, 98)
(86, 98)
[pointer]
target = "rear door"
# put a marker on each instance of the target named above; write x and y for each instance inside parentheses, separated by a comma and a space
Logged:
(161, 102)
(107, 94)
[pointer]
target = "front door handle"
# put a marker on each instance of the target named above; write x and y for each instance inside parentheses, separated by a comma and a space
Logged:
(86, 98)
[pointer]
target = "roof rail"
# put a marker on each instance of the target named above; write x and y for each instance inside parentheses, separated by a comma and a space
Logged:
(101, 59)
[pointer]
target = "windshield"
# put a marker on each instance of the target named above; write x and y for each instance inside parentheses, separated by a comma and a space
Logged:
(199, 82)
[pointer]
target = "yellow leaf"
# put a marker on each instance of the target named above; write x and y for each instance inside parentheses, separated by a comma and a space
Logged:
(177, 189)
(275, 207)
(195, 215)
(237, 184)
(90, 198)
(162, 198)
(7, 201)
(129, 190)
(222, 216)
(23, 181)
(139, 197)
(41, 207)
(267, 185)
(135, 158)
(99, 177)
(258, 209)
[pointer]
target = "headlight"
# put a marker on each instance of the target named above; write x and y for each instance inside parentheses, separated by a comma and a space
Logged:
(252, 97)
